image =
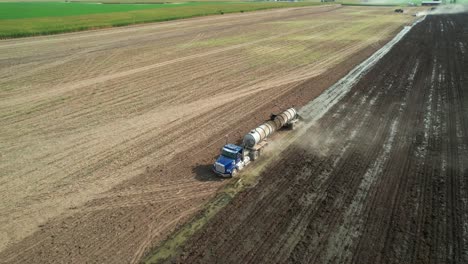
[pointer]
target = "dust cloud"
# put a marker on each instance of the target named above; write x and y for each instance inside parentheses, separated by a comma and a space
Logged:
(445, 9)
(439, 10)
(316, 141)
(307, 136)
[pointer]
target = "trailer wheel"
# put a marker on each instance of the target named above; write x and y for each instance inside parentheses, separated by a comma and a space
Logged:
(254, 155)
(234, 173)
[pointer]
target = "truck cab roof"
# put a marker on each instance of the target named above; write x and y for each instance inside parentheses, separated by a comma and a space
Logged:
(232, 148)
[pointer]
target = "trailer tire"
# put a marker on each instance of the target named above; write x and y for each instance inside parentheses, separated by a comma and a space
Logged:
(254, 155)
(292, 126)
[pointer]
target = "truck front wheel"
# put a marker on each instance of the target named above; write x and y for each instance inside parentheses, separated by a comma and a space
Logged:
(234, 173)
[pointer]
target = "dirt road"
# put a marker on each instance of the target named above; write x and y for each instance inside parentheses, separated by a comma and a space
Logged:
(101, 131)
(380, 178)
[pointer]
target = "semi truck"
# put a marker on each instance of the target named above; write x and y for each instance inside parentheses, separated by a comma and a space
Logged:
(234, 158)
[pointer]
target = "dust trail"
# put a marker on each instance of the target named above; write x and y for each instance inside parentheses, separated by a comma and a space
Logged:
(446, 9)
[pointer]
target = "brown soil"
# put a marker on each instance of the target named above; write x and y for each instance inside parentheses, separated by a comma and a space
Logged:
(380, 178)
(107, 136)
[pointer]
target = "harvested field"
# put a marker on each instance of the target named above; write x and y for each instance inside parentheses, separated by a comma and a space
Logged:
(382, 177)
(107, 136)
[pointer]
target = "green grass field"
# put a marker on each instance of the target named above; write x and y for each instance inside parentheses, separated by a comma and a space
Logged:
(20, 19)
(21, 10)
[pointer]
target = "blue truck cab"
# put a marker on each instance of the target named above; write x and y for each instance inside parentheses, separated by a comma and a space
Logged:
(230, 161)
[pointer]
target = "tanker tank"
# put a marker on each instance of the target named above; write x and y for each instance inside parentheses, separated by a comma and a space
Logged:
(260, 133)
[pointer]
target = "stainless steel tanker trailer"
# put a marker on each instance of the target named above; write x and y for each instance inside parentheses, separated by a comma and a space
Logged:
(234, 158)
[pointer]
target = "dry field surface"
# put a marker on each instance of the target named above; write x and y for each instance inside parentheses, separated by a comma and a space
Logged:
(101, 132)
(382, 177)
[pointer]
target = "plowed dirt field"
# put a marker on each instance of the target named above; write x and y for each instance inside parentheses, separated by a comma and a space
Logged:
(106, 136)
(382, 177)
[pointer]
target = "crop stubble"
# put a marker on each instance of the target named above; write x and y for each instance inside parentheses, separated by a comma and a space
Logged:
(102, 131)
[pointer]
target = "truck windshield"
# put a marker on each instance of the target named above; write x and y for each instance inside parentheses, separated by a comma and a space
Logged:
(229, 154)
